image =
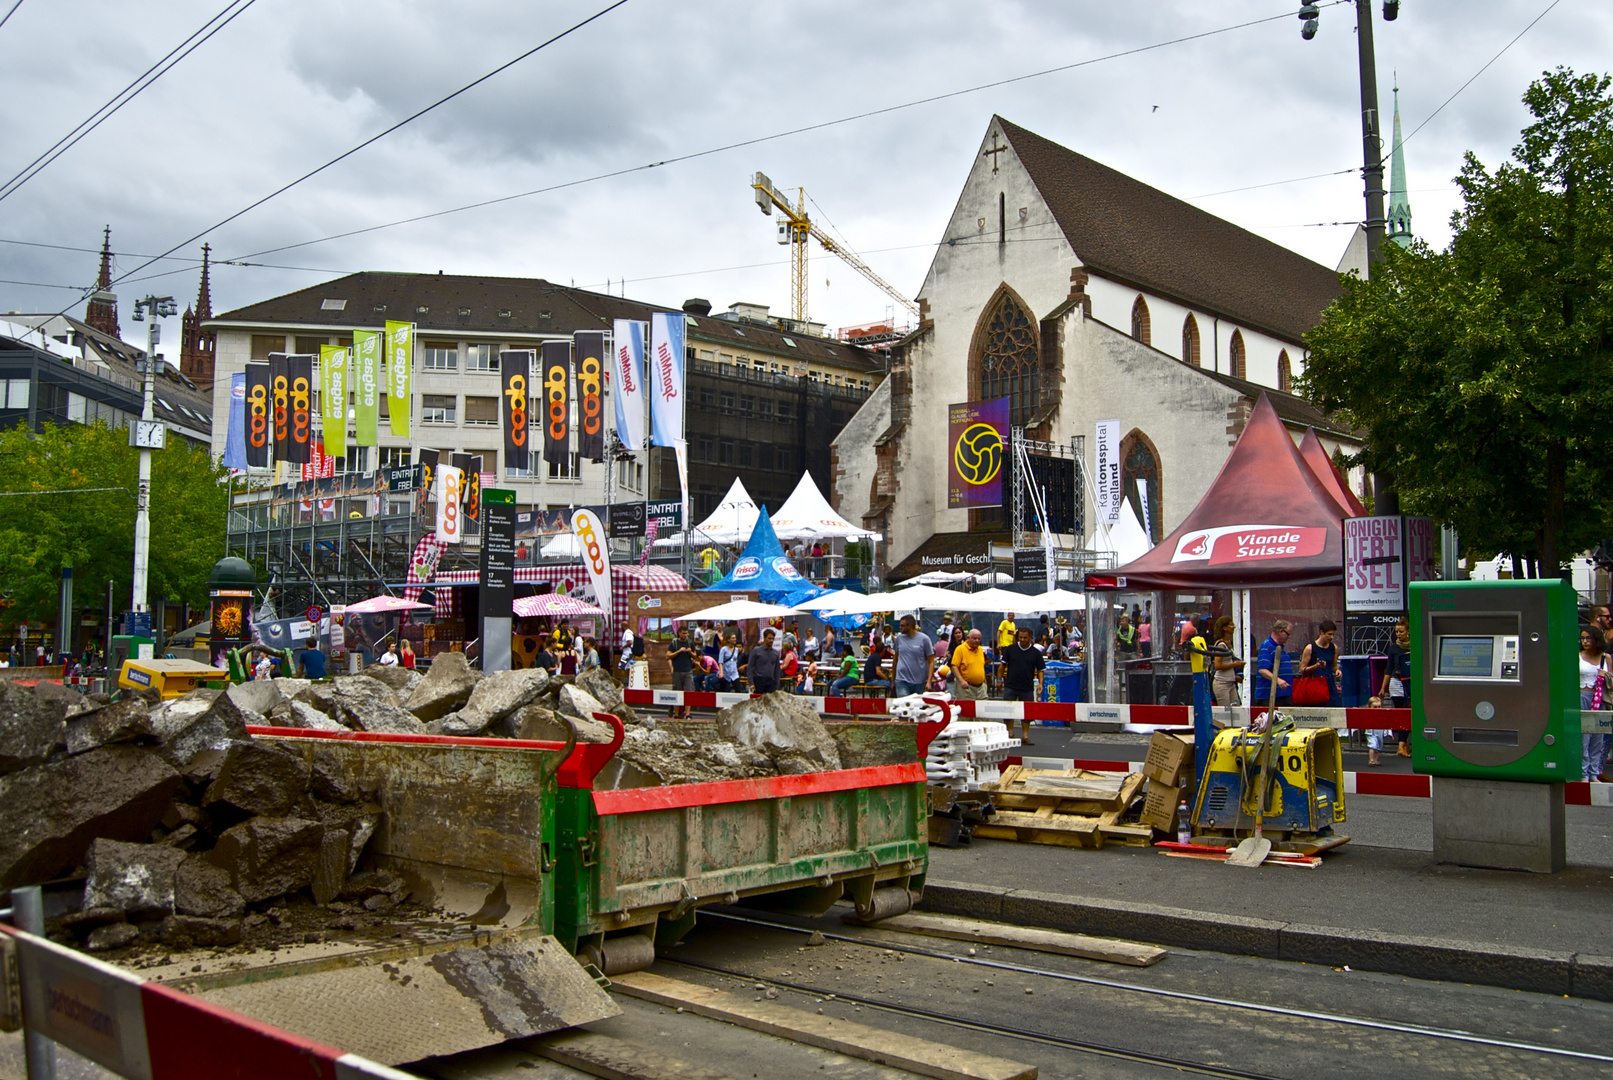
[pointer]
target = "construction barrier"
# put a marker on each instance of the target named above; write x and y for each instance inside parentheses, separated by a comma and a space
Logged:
(141, 1029)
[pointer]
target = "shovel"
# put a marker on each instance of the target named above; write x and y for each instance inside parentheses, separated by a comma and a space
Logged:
(1253, 851)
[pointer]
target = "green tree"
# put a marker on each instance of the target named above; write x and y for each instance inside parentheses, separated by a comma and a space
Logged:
(51, 515)
(1480, 373)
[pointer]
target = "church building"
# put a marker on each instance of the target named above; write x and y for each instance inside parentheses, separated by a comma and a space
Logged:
(1082, 296)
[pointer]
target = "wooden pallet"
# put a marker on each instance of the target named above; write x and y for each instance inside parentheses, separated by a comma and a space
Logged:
(1064, 807)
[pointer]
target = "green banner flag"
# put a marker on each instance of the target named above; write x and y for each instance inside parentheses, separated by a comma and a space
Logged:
(333, 361)
(399, 364)
(366, 378)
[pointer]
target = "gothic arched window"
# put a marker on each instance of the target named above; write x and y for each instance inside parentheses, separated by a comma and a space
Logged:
(1140, 327)
(1009, 359)
(1285, 372)
(1240, 361)
(1190, 341)
(1140, 482)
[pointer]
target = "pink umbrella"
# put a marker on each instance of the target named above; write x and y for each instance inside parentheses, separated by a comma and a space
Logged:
(554, 604)
(377, 605)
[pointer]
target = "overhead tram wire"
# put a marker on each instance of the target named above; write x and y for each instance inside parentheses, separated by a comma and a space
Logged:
(105, 112)
(368, 142)
(804, 129)
(9, 14)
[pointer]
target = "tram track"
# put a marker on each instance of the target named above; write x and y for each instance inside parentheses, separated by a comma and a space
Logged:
(886, 944)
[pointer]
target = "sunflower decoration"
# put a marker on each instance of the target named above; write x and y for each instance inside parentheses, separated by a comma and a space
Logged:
(227, 619)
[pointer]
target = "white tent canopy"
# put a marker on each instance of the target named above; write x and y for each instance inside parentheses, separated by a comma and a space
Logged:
(1125, 537)
(807, 515)
(737, 610)
(730, 523)
(562, 546)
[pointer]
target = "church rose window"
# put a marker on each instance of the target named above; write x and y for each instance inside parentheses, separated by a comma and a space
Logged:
(1008, 362)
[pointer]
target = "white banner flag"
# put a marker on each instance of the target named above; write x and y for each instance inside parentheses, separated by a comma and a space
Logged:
(590, 533)
(628, 370)
(449, 491)
(1106, 473)
(666, 377)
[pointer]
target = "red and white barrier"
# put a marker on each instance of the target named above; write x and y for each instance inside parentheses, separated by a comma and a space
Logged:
(141, 1029)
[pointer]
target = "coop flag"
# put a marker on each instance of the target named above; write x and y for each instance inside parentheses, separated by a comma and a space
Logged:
(428, 476)
(399, 365)
(470, 485)
(627, 368)
(450, 516)
(300, 376)
(515, 367)
(590, 533)
(280, 404)
(235, 438)
(333, 361)
(666, 377)
(977, 441)
(557, 401)
(1106, 471)
(366, 379)
(590, 350)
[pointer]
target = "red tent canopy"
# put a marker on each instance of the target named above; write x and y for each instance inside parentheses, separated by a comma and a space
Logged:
(1266, 520)
(1315, 455)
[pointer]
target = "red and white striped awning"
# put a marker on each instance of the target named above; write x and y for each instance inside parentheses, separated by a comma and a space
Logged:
(573, 580)
(554, 604)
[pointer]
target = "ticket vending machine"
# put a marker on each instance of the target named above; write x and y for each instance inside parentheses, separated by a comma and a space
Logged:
(1495, 716)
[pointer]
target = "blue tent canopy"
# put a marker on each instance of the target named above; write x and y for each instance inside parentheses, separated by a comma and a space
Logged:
(764, 567)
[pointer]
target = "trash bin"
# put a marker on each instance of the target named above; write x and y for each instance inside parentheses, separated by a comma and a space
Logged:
(1062, 681)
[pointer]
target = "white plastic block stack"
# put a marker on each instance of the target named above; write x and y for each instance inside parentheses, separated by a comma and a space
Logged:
(968, 753)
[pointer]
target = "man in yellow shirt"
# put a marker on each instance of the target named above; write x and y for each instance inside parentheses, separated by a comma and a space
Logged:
(969, 665)
(1006, 632)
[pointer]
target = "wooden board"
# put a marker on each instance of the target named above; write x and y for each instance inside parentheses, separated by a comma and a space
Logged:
(1110, 950)
(1041, 836)
(613, 1059)
(921, 1056)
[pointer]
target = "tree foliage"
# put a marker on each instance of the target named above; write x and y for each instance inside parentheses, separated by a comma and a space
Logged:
(1480, 373)
(50, 516)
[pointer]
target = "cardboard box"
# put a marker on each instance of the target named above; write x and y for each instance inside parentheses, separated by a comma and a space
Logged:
(1160, 804)
(1168, 756)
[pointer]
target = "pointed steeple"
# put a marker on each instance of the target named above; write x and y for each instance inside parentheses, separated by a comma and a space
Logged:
(102, 315)
(1399, 229)
(195, 344)
(204, 295)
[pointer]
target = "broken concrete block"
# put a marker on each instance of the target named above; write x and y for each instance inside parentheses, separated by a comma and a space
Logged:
(543, 725)
(269, 856)
(194, 932)
(603, 688)
(116, 936)
(200, 888)
(578, 703)
(298, 714)
(500, 694)
(137, 879)
(401, 680)
(256, 779)
(331, 873)
(330, 778)
(122, 722)
(183, 837)
(446, 687)
(785, 728)
(367, 883)
(201, 720)
(30, 729)
(58, 697)
(380, 716)
(259, 696)
(52, 812)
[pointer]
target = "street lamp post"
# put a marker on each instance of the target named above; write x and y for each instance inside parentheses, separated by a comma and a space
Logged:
(147, 434)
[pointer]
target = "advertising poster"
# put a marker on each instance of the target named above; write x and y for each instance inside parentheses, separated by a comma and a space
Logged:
(470, 495)
(515, 370)
(1106, 471)
(450, 517)
(666, 377)
(590, 532)
(590, 351)
(333, 389)
(556, 360)
(235, 437)
(977, 438)
(427, 461)
(627, 368)
(280, 404)
(258, 416)
(399, 368)
(300, 442)
(366, 379)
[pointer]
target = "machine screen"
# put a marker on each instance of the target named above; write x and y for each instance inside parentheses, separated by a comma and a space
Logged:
(1466, 657)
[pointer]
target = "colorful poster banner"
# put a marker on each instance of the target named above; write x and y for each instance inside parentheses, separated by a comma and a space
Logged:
(1382, 556)
(470, 492)
(1106, 471)
(366, 379)
(977, 439)
(590, 533)
(590, 350)
(399, 369)
(666, 378)
(427, 460)
(258, 398)
(300, 375)
(333, 387)
(628, 370)
(515, 368)
(450, 517)
(280, 401)
(235, 434)
(557, 402)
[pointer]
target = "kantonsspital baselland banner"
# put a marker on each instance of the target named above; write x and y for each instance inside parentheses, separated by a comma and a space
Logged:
(590, 350)
(300, 372)
(627, 368)
(259, 417)
(515, 367)
(1106, 471)
(333, 386)
(590, 533)
(977, 444)
(280, 404)
(450, 518)
(366, 378)
(399, 370)
(666, 377)
(557, 402)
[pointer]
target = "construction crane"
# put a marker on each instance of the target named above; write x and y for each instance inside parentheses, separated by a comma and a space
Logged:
(795, 230)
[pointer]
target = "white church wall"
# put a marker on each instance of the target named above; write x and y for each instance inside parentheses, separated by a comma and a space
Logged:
(854, 458)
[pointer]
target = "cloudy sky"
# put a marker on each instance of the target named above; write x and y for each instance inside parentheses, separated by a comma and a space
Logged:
(289, 84)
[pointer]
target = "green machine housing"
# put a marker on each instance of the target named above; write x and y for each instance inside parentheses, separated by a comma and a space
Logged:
(1495, 668)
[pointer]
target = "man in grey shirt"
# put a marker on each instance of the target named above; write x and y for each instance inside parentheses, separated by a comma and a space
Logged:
(915, 659)
(761, 667)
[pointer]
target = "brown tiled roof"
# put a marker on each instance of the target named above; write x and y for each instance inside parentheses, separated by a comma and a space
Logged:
(1140, 236)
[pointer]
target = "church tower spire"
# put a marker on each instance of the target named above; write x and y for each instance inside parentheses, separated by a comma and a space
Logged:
(196, 344)
(1399, 206)
(102, 315)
